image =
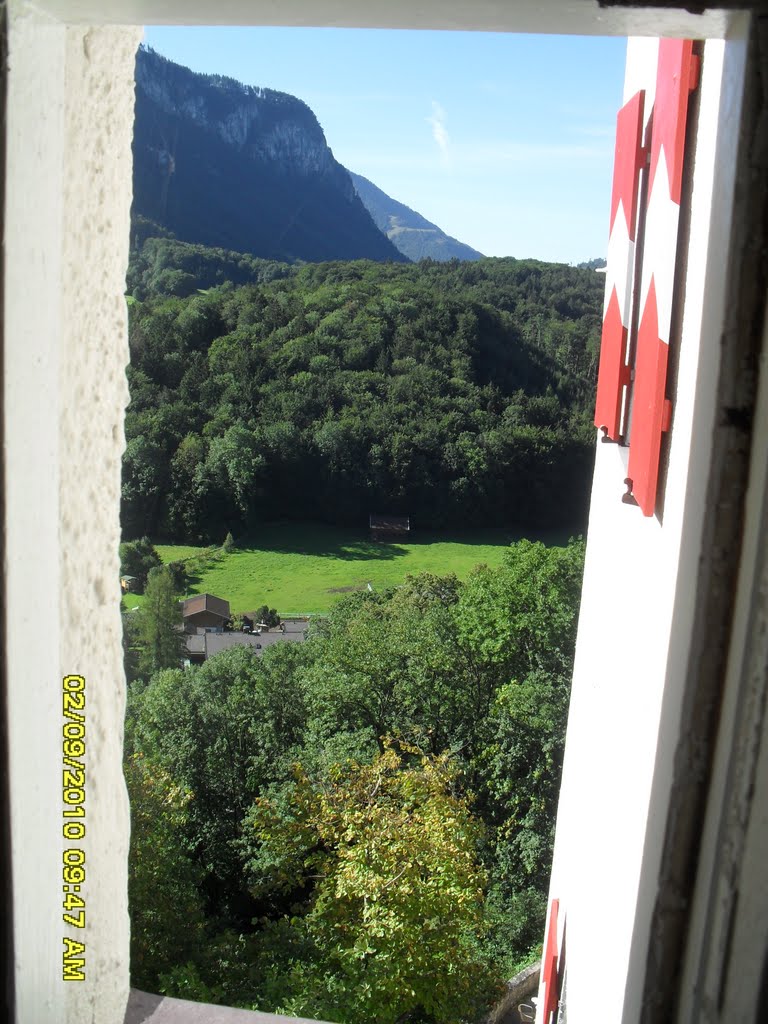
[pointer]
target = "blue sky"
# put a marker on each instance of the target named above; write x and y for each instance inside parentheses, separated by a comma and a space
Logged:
(504, 141)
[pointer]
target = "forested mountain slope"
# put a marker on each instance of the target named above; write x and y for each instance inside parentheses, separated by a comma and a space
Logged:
(242, 168)
(459, 394)
(161, 266)
(415, 236)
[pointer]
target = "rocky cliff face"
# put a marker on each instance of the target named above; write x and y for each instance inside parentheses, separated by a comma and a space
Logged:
(248, 169)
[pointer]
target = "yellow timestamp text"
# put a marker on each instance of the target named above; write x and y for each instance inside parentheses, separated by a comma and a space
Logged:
(73, 827)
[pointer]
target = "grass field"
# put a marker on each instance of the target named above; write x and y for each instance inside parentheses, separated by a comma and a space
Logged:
(303, 568)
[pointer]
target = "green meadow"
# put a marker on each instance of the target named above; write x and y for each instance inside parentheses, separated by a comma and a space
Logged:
(301, 568)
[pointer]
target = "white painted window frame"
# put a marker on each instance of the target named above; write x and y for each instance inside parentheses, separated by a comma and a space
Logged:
(67, 203)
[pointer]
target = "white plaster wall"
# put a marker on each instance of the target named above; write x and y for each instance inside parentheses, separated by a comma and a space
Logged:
(637, 608)
(68, 197)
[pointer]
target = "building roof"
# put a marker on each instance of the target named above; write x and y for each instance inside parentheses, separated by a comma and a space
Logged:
(144, 1008)
(209, 644)
(205, 603)
(195, 643)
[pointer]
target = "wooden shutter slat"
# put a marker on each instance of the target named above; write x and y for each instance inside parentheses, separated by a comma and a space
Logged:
(613, 374)
(549, 966)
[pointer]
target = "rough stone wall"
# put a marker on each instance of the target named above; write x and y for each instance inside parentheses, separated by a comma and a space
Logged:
(94, 353)
(518, 990)
(68, 194)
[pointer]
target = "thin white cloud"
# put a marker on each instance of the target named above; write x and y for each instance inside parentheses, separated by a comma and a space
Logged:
(439, 131)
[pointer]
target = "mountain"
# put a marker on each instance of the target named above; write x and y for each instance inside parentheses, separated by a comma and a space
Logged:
(244, 169)
(415, 236)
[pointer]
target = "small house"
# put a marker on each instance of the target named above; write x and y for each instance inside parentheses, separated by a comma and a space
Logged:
(203, 612)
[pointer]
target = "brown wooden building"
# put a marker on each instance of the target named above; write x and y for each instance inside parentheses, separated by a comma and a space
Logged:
(204, 611)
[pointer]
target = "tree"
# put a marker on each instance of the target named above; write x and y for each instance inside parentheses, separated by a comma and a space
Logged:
(235, 467)
(517, 776)
(145, 479)
(222, 731)
(131, 646)
(390, 664)
(385, 856)
(178, 571)
(137, 558)
(518, 622)
(158, 630)
(523, 615)
(165, 906)
(267, 615)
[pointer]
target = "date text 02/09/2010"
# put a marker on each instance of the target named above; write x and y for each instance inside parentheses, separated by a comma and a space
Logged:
(73, 828)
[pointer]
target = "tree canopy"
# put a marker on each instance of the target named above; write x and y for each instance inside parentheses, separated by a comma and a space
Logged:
(361, 813)
(457, 393)
(386, 854)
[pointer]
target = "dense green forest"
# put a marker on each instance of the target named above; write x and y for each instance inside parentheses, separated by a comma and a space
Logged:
(358, 828)
(457, 393)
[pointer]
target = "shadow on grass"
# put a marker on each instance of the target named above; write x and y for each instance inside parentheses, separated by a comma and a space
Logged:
(349, 545)
(321, 542)
(355, 546)
(496, 536)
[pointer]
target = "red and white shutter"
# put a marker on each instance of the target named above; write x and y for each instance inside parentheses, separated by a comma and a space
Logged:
(613, 376)
(651, 410)
(550, 969)
(634, 388)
